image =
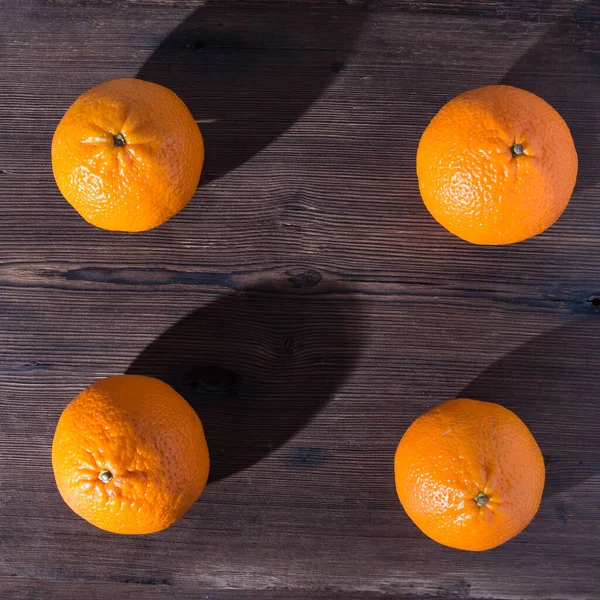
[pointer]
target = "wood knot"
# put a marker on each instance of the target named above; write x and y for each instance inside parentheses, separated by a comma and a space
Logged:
(212, 380)
(289, 345)
(303, 277)
(594, 301)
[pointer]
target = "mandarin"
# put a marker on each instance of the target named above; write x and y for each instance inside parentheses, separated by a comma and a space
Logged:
(127, 155)
(469, 474)
(496, 165)
(129, 455)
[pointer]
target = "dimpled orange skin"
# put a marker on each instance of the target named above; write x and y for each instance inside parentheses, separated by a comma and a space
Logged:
(150, 441)
(471, 182)
(457, 451)
(142, 183)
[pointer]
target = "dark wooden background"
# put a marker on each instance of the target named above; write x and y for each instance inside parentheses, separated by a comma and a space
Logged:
(304, 302)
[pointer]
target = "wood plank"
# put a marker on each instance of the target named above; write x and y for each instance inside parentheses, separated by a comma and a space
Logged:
(304, 302)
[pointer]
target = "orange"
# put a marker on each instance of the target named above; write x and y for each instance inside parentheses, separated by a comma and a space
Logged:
(496, 165)
(127, 155)
(129, 455)
(469, 474)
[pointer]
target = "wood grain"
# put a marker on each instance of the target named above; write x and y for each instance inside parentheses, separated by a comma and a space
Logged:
(304, 302)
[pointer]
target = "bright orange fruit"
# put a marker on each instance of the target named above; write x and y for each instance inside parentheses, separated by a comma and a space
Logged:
(469, 474)
(127, 155)
(496, 165)
(129, 455)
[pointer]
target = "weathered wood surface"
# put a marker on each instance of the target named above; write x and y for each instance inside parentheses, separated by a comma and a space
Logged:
(305, 302)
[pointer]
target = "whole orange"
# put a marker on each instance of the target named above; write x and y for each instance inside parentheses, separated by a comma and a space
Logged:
(496, 165)
(129, 455)
(127, 155)
(469, 474)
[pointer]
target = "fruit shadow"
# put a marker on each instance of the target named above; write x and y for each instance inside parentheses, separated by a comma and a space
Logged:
(563, 68)
(552, 384)
(248, 72)
(256, 367)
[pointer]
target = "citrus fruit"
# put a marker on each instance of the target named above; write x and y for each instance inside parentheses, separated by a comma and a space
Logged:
(496, 165)
(129, 455)
(127, 155)
(469, 474)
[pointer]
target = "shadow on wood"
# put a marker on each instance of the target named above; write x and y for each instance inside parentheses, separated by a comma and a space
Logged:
(552, 384)
(564, 69)
(248, 70)
(256, 367)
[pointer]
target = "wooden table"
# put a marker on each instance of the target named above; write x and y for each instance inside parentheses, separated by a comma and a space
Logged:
(304, 302)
